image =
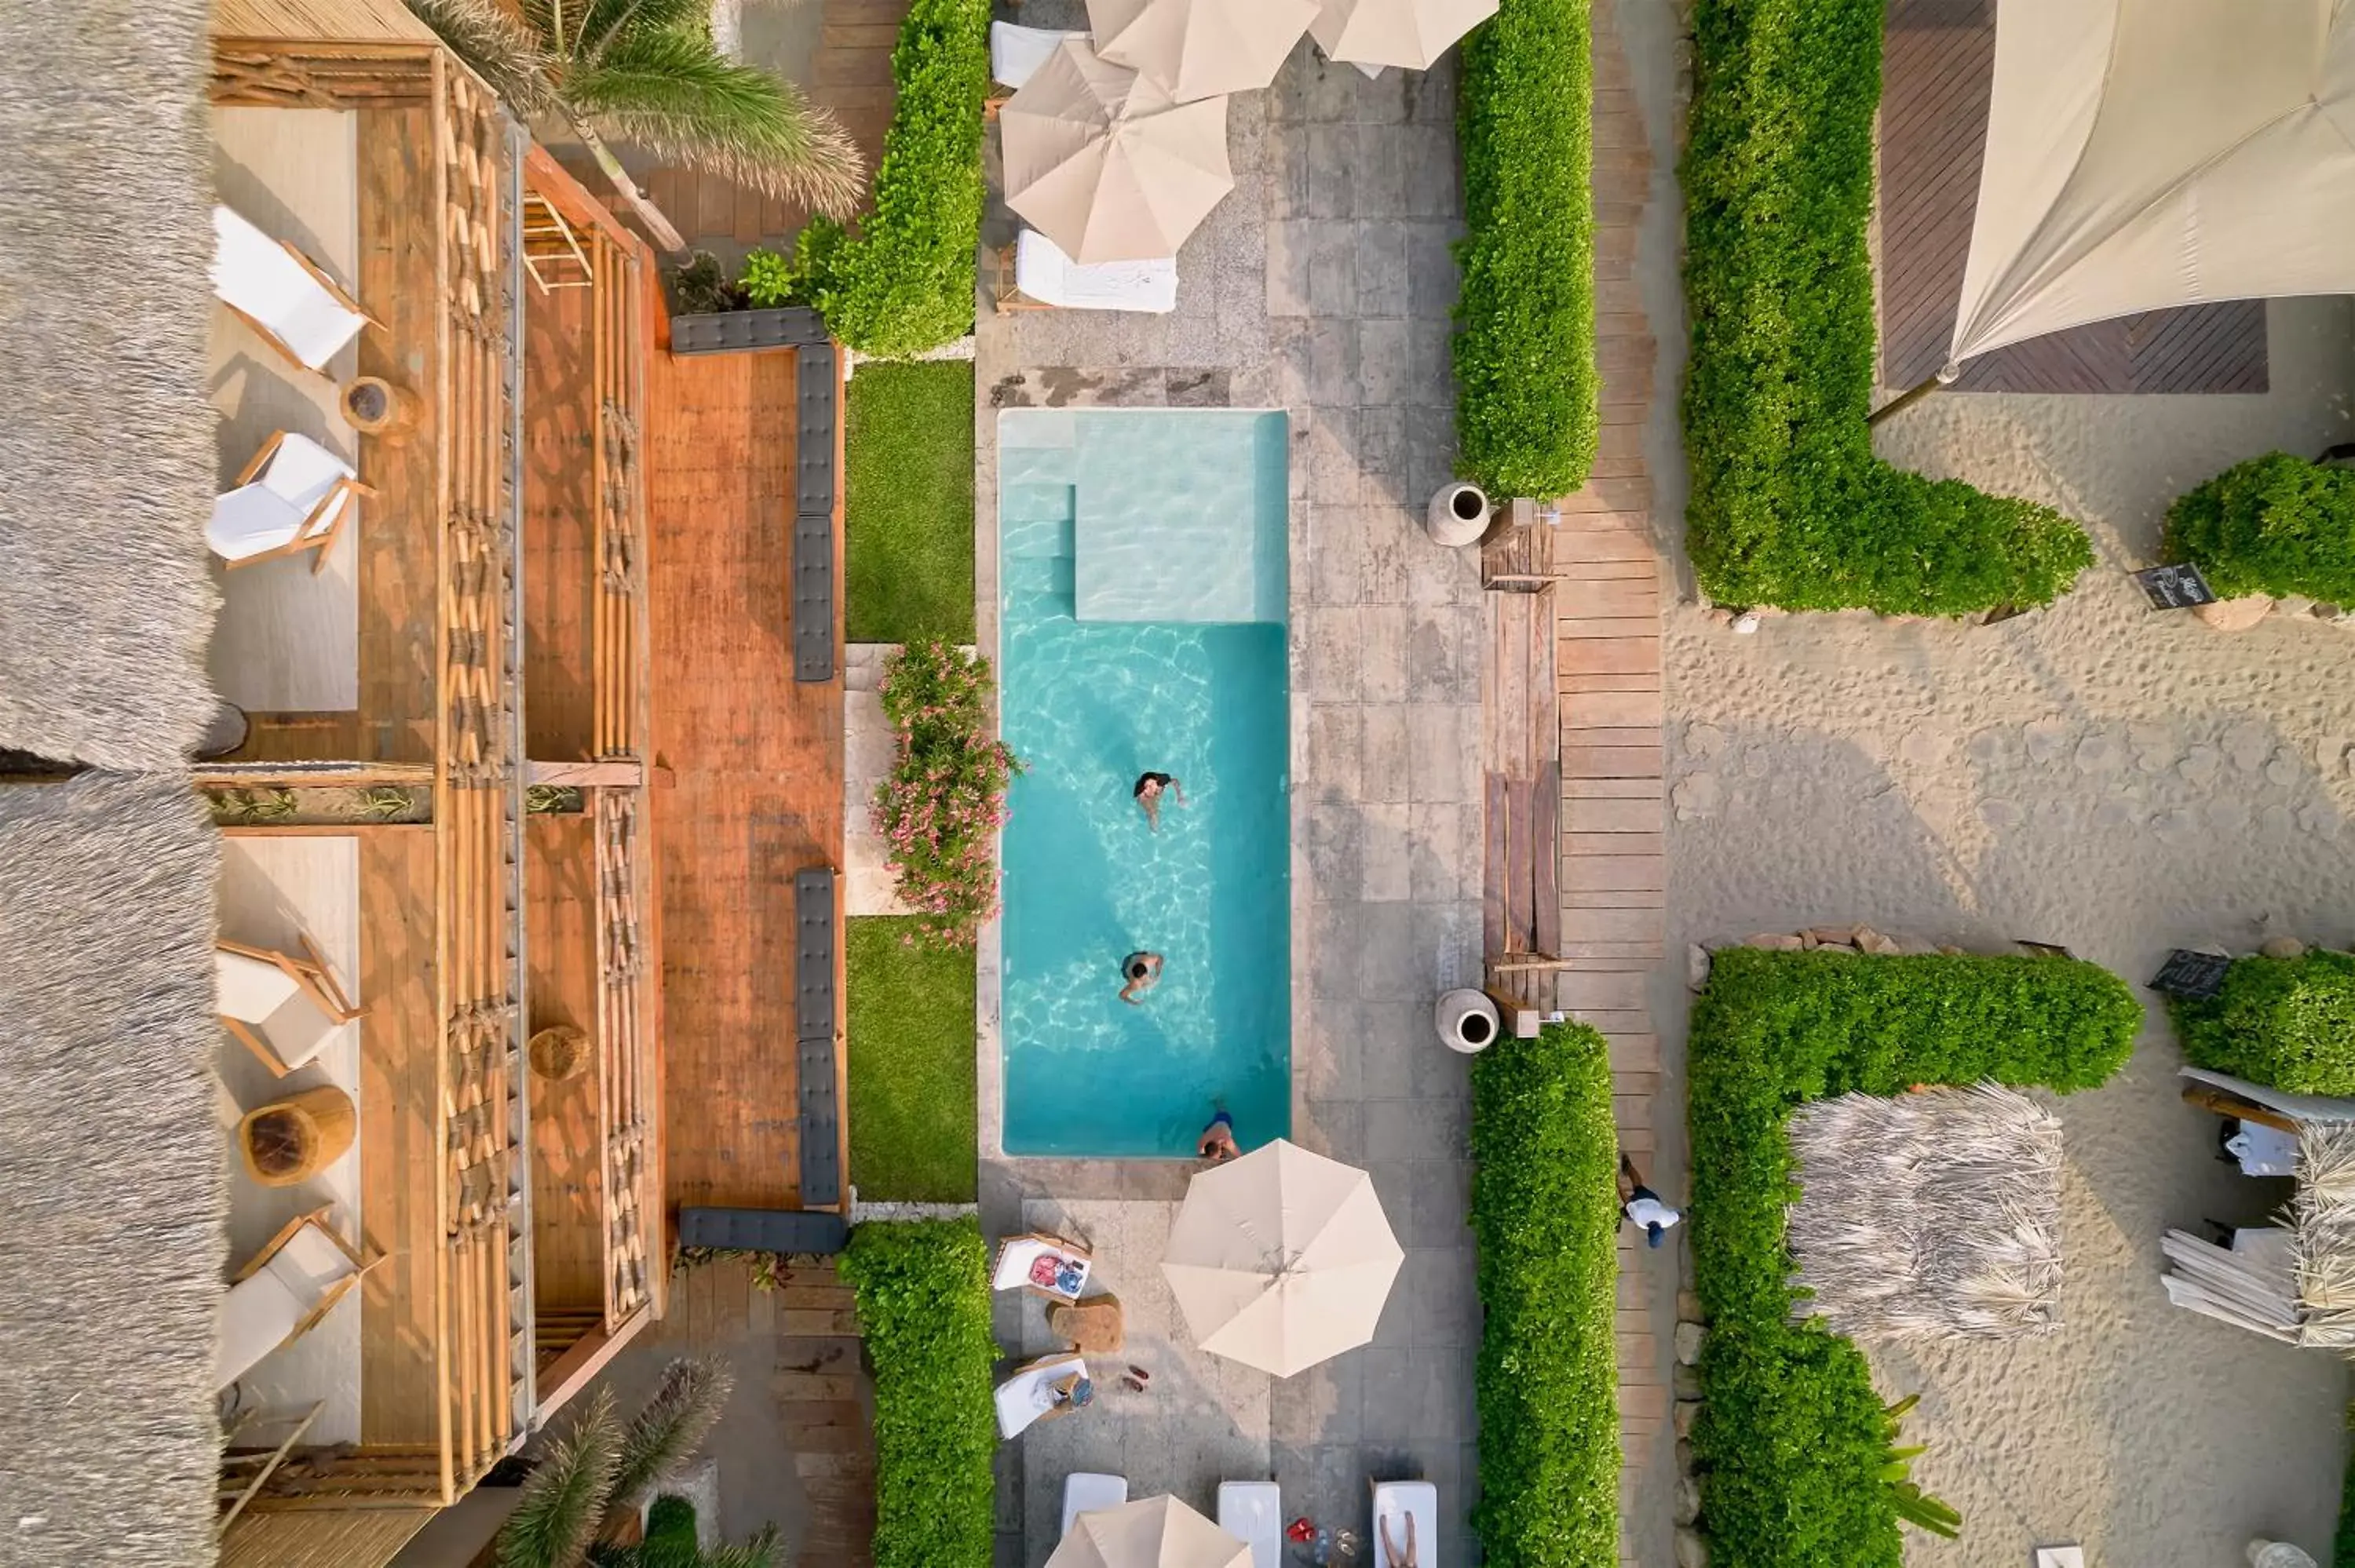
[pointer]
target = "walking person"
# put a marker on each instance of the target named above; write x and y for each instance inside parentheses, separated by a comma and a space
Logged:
(1641, 1204)
(1150, 788)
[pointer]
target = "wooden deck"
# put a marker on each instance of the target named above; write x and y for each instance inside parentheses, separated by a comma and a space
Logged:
(1937, 72)
(747, 769)
(567, 1214)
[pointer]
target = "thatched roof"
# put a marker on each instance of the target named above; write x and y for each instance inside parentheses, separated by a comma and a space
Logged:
(113, 1188)
(106, 448)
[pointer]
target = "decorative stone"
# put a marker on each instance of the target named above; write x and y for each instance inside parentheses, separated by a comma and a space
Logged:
(1823, 935)
(1688, 1501)
(1692, 1552)
(1689, 1338)
(1685, 1411)
(1697, 967)
(2282, 948)
(1746, 623)
(1871, 941)
(1685, 1381)
(2295, 604)
(1688, 1306)
(1774, 942)
(2234, 614)
(1847, 948)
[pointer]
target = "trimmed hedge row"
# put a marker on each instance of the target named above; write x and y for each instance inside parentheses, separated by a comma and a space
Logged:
(1545, 1209)
(904, 283)
(2286, 1024)
(2277, 524)
(1526, 418)
(1791, 1435)
(923, 1309)
(1789, 506)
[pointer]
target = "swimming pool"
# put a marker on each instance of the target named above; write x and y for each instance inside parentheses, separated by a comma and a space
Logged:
(1141, 560)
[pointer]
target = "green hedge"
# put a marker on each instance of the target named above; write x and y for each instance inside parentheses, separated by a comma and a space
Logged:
(904, 283)
(1545, 1210)
(1791, 1434)
(1525, 389)
(2287, 1023)
(923, 1309)
(2277, 524)
(2342, 1545)
(1789, 506)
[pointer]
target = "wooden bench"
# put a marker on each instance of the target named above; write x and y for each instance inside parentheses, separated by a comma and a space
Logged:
(1522, 778)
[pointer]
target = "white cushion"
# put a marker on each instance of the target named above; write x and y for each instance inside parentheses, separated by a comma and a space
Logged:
(250, 989)
(254, 273)
(1396, 1502)
(1085, 1491)
(1252, 1512)
(1044, 273)
(275, 510)
(267, 1304)
(1016, 53)
(1024, 1396)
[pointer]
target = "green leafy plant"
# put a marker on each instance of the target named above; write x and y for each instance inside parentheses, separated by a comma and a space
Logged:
(1545, 1211)
(1791, 1437)
(2342, 1544)
(2275, 525)
(1526, 415)
(1789, 506)
(903, 282)
(2286, 1024)
(923, 1309)
(699, 287)
(670, 1542)
(940, 810)
(382, 802)
(770, 283)
(1913, 1504)
(647, 73)
(244, 807)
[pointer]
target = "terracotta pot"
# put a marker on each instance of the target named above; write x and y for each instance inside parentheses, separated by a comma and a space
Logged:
(291, 1141)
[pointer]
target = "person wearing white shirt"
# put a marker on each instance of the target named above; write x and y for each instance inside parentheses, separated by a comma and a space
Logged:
(1641, 1204)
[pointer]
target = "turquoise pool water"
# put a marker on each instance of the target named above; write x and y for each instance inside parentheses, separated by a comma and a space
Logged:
(1140, 558)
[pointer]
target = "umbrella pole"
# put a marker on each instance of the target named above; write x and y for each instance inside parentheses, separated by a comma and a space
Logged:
(1912, 395)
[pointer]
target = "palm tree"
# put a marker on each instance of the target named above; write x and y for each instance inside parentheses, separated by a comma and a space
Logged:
(647, 71)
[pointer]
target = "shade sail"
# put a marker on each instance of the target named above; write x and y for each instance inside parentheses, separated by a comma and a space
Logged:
(1156, 1533)
(1282, 1259)
(2147, 153)
(1105, 163)
(1200, 48)
(1411, 34)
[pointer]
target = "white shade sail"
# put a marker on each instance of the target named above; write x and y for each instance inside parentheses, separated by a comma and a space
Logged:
(1200, 48)
(1282, 1259)
(1154, 1533)
(2142, 154)
(1411, 34)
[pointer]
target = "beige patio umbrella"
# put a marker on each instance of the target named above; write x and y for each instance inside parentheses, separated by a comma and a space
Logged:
(1200, 48)
(1409, 33)
(1105, 163)
(1154, 1532)
(1282, 1259)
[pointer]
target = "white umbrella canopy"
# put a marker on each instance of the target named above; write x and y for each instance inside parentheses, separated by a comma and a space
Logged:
(1106, 163)
(1200, 48)
(1282, 1259)
(1154, 1533)
(1411, 34)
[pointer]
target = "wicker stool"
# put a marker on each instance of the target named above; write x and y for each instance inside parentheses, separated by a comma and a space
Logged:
(1095, 1326)
(292, 1140)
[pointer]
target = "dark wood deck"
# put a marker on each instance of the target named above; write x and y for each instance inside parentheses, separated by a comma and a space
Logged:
(1937, 72)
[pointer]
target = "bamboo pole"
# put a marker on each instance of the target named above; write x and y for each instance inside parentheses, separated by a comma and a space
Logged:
(1913, 393)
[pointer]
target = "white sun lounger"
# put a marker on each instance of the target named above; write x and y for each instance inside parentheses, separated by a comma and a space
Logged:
(293, 496)
(291, 1284)
(1017, 1254)
(1016, 53)
(282, 294)
(1252, 1512)
(1046, 276)
(1025, 1397)
(1085, 1491)
(1395, 1502)
(280, 1007)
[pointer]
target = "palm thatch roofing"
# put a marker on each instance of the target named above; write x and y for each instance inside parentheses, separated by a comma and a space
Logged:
(1931, 1216)
(113, 1185)
(107, 464)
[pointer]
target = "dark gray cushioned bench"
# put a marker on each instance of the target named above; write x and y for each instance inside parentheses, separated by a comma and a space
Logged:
(763, 1230)
(816, 1015)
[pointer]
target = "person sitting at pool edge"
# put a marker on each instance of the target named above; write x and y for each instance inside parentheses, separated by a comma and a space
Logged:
(1143, 972)
(1641, 1204)
(1149, 787)
(1217, 1143)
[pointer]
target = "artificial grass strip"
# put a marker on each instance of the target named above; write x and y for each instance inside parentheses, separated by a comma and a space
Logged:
(910, 1033)
(908, 515)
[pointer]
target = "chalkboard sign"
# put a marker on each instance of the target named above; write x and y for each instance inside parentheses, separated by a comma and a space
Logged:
(2188, 974)
(2175, 588)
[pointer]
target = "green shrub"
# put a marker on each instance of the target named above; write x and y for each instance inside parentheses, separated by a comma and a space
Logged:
(1789, 506)
(1545, 1209)
(2286, 1024)
(1525, 389)
(923, 1309)
(2277, 524)
(2342, 1545)
(1791, 1437)
(941, 809)
(904, 282)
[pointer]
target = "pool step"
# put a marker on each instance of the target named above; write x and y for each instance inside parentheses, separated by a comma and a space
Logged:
(1019, 466)
(1047, 575)
(1039, 521)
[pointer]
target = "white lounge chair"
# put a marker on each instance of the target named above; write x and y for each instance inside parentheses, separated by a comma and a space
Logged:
(1396, 1504)
(282, 294)
(280, 1007)
(1027, 1396)
(1084, 1491)
(1045, 278)
(1252, 1512)
(1016, 53)
(1018, 1260)
(293, 496)
(281, 1295)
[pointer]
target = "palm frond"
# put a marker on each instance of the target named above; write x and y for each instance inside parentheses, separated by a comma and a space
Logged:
(674, 1422)
(597, 25)
(763, 1551)
(563, 1502)
(505, 53)
(673, 95)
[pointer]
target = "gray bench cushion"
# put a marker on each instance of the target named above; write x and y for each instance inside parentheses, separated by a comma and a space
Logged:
(761, 1230)
(735, 332)
(816, 1015)
(813, 597)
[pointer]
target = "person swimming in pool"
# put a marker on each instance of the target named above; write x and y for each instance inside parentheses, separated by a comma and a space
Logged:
(1143, 972)
(1150, 786)
(1217, 1143)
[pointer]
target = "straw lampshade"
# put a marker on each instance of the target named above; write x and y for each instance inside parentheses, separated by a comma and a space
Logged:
(558, 1052)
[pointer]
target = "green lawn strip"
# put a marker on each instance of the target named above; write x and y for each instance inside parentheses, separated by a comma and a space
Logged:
(1545, 1211)
(1791, 1433)
(910, 1033)
(924, 1311)
(908, 528)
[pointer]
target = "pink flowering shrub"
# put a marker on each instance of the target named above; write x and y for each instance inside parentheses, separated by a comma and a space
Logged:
(940, 810)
